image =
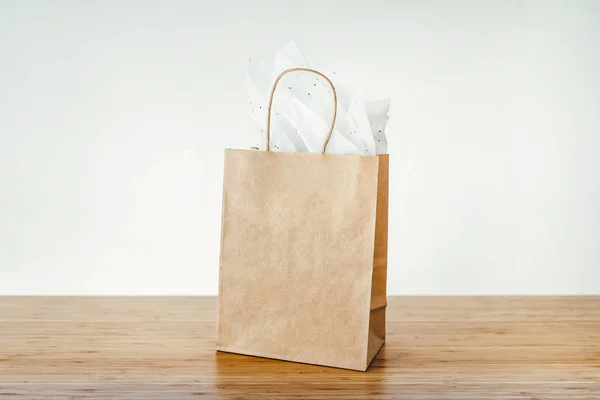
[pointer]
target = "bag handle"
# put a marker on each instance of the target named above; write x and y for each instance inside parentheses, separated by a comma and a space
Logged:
(287, 71)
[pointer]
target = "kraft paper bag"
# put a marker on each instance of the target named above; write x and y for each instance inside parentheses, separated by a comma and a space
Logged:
(303, 263)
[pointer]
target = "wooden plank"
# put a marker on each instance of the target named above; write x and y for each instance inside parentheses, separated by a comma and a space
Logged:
(163, 347)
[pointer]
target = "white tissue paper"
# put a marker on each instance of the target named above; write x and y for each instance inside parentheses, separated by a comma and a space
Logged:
(303, 109)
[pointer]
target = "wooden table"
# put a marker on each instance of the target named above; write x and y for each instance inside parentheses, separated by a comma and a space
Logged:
(163, 348)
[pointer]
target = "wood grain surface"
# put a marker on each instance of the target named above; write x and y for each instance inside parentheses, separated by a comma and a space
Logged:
(163, 348)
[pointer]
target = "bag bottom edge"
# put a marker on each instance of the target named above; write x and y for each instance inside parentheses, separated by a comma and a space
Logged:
(225, 349)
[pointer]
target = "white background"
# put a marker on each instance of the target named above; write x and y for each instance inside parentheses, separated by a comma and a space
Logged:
(114, 116)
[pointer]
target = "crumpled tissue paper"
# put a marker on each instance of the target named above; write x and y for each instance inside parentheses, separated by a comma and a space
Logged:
(303, 108)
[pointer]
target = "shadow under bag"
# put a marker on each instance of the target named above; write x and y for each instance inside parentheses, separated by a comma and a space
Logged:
(303, 265)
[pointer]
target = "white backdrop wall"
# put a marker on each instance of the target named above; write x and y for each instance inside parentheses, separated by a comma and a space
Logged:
(114, 116)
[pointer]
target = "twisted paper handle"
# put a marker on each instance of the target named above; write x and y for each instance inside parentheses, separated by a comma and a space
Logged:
(287, 71)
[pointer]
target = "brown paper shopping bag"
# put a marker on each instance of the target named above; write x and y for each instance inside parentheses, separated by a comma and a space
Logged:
(304, 255)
